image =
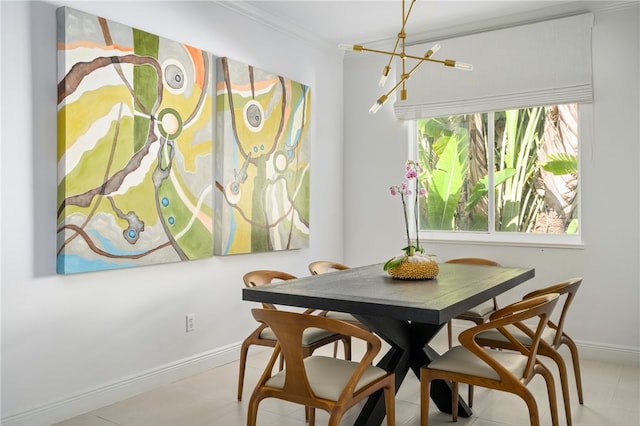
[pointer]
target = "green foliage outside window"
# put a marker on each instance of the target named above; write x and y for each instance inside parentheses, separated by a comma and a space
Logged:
(534, 171)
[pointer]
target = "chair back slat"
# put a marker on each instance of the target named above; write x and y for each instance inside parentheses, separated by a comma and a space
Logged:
(334, 380)
(324, 266)
(515, 314)
(289, 328)
(265, 276)
(568, 288)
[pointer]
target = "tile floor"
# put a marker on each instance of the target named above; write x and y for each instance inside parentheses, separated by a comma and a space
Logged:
(611, 393)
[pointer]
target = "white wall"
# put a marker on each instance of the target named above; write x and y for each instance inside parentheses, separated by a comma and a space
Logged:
(605, 315)
(70, 343)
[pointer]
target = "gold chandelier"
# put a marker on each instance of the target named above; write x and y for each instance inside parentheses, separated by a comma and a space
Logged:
(400, 42)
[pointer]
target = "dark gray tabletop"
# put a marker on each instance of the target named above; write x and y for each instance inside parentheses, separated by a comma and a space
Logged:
(368, 290)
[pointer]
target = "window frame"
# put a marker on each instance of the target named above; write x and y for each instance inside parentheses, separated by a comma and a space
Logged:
(493, 237)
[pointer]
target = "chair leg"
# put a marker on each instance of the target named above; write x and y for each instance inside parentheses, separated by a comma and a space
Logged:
(449, 333)
(564, 383)
(312, 416)
(425, 384)
(389, 403)
(576, 364)
(470, 396)
(335, 349)
(454, 401)
(551, 391)
(281, 366)
(252, 411)
(347, 347)
(243, 361)
(534, 417)
(335, 418)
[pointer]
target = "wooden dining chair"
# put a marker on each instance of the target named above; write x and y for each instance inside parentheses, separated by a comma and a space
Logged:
(552, 338)
(509, 371)
(322, 267)
(478, 314)
(330, 384)
(264, 336)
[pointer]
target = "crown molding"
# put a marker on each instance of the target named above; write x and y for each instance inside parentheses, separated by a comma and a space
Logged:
(543, 14)
(289, 29)
(276, 23)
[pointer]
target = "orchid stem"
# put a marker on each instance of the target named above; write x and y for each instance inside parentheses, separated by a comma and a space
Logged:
(406, 221)
(416, 211)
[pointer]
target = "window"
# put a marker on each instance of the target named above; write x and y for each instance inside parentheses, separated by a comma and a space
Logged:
(528, 194)
(512, 175)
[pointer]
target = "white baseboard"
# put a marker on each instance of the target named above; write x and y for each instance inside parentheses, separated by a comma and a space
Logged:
(113, 392)
(588, 350)
(116, 391)
(610, 353)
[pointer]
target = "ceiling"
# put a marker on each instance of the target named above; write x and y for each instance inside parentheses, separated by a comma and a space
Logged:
(366, 21)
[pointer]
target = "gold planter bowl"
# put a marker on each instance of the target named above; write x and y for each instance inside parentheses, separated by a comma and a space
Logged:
(415, 270)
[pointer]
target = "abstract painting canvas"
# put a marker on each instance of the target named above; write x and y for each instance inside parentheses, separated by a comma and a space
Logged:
(262, 161)
(135, 147)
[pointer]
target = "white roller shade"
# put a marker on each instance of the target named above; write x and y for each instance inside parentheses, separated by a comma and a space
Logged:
(535, 64)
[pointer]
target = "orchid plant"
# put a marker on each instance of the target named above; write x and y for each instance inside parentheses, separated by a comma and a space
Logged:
(412, 171)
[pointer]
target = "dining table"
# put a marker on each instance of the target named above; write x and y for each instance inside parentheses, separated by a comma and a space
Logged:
(406, 314)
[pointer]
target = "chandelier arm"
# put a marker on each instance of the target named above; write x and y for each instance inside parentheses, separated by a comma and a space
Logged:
(404, 78)
(400, 44)
(383, 99)
(406, 18)
(399, 55)
(422, 58)
(392, 54)
(447, 62)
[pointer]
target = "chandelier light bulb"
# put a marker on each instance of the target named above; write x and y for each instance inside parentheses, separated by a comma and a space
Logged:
(378, 104)
(463, 66)
(433, 50)
(458, 65)
(375, 108)
(356, 47)
(384, 76)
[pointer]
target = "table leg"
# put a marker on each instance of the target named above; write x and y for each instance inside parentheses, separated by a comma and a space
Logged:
(409, 350)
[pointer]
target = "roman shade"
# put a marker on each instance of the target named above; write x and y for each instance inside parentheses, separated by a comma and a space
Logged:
(542, 63)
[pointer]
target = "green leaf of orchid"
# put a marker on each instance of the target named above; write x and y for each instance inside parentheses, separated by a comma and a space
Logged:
(394, 261)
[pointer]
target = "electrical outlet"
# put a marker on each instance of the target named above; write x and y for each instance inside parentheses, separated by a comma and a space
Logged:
(191, 322)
